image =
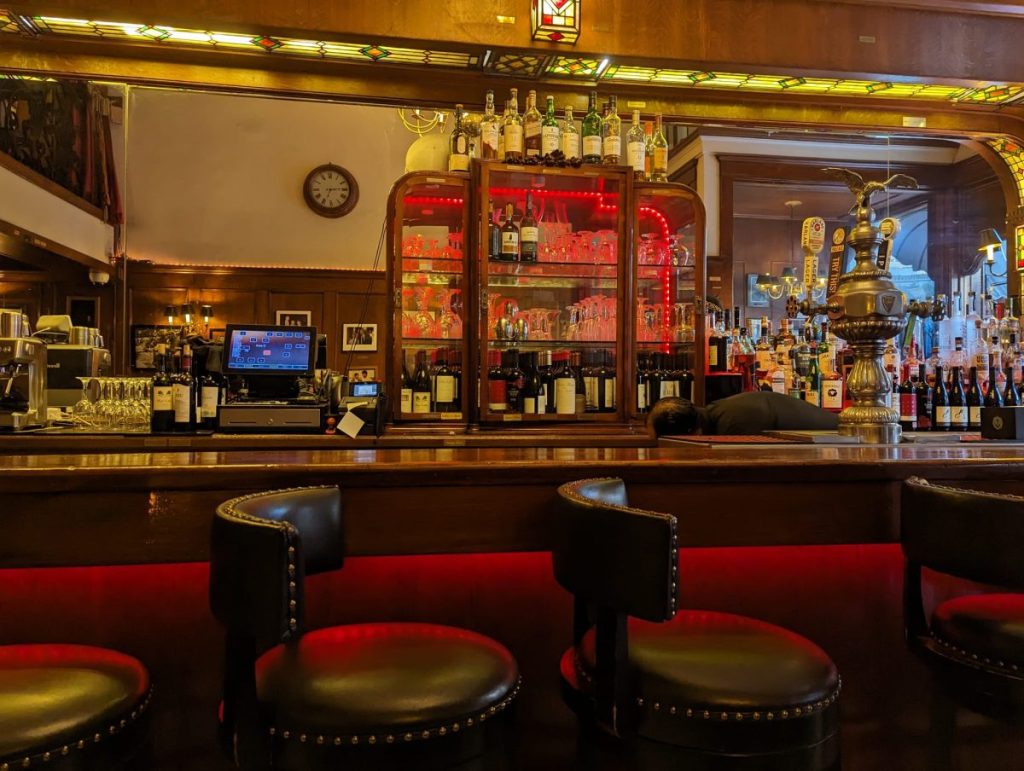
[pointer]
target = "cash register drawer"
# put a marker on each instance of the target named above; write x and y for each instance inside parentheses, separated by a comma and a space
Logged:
(267, 419)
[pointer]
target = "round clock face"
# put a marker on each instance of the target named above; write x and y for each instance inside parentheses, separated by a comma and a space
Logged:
(330, 191)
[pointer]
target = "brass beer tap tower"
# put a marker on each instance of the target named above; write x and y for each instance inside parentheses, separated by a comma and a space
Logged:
(866, 310)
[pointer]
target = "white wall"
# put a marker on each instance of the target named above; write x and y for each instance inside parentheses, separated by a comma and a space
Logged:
(216, 179)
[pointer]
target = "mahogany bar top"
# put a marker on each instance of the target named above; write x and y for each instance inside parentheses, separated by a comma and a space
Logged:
(143, 507)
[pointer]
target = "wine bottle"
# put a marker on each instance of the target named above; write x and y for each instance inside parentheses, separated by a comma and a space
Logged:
(209, 399)
(643, 380)
(636, 147)
(659, 151)
(497, 386)
(550, 134)
(490, 130)
(941, 419)
(993, 398)
(529, 233)
(444, 385)
(577, 372)
(532, 126)
(923, 399)
(908, 405)
(162, 413)
(608, 381)
(958, 416)
(513, 380)
(973, 401)
(405, 403)
(532, 391)
(509, 236)
(565, 387)
(685, 378)
(611, 134)
(493, 234)
(570, 136)
(421, 386)
(513, 130)
(592, 132)
(1011, 397)
(183, 394)
(458, 144)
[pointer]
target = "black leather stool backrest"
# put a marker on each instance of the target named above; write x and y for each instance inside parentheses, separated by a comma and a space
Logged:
(615, 556)
(969, 534)
(262, 546)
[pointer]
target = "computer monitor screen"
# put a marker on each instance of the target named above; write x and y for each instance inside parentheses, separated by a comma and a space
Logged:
(366, 389)
(266, 350)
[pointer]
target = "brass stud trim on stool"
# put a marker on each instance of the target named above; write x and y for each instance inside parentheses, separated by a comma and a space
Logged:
(788, 713)
(45, 756)
(974, 657)
(432, 732)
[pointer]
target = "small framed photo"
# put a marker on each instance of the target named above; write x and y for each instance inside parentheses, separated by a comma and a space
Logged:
(358, 337)
(755, 297)
(294, 318)
(146, 337)
(362, 375)
(217, 335)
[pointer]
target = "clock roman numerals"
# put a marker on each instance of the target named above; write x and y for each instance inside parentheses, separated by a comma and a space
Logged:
(330, 191)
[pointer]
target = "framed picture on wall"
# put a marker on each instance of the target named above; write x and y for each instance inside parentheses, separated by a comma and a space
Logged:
(217, 335)
(293, 318)
(755, 297)
(145, 338)
(362, 375)
(358, 337)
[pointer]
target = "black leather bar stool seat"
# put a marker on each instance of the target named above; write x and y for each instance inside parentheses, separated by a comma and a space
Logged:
(688, 689)
(360, 696)
(387, 682)
(715, 667)
(70, 707)
(988, 628)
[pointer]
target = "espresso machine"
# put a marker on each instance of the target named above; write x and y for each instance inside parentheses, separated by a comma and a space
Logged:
(71, 353)
(22, 374)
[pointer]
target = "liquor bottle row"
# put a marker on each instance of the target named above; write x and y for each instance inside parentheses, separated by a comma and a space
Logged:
(531, 137)
(948, 404)
(181, 402)
(544, 382)
(994, 325)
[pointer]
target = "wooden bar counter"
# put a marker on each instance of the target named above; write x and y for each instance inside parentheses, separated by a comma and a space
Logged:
(150, 507)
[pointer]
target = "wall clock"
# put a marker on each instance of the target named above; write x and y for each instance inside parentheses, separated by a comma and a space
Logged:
(330, 190)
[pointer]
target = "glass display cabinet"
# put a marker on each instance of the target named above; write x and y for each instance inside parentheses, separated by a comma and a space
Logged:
(428, 216)
(552, 256)
(669, 269)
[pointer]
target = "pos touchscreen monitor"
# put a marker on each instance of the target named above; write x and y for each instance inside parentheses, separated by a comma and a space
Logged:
(269, 350)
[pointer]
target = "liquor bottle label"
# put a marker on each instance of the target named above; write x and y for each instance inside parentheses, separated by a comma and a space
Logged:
(460, 145)
(420, 401)
(513, 139)
(497, 395)
(208, 401)
(958, 417)
(763, 360)
(571, 145)
(974, 417)
(666, 388)
(635, 151)
(811, 396)
(908, 408)
(661, 159)
(549, 139)
(641, 396)
(609, 393)
(445, 389)
(713, 356)
(532, 129)
(509, 242)
(592, 145)
(832, 394)
(406, 403)
(590, 387)
(529, 235)
(565, 396)
(162, 400)
(542, 400)
(612, 146)
(942, 417)
(490, 134)
(529, 405)
(181, 396)
(458, 162)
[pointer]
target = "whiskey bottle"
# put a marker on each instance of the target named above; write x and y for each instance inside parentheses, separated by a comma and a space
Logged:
(592, 132)
(509, 236)
(550, 134)
(513, 130)
(570, 136)
(529, 233)
(636, 147)
(490, 130)
(611, 134)
(659, 151)
(458, 145)
(532, 126)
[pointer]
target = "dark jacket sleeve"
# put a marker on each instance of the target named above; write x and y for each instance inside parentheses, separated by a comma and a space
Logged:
(759, 411)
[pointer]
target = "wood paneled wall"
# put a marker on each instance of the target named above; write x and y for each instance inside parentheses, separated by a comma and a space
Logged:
(37, 293)
(254, 295)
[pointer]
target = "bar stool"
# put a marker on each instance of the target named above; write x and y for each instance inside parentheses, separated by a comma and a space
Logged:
(974, 644)
(72, 707)
(376, 695)
(710, 690)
